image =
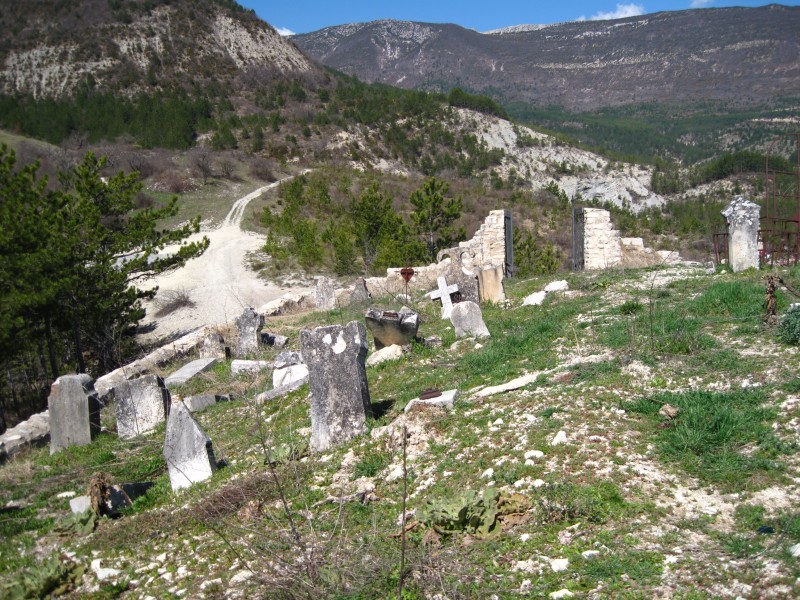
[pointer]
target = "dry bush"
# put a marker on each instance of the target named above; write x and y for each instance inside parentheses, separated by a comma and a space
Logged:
(171, 301)
(263, 169)
(143, 200)
(173, 181)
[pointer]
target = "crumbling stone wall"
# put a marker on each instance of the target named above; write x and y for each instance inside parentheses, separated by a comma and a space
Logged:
(602, 246)
(487, 246)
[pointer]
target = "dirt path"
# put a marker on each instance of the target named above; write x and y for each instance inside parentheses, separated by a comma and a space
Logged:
(218, 282)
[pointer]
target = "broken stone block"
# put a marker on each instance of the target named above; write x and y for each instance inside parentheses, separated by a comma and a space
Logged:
(325, 294)
(490, 284)
(360, 295)
(289, 375)
(393, 352)
(391, 328)
(187, 449)
(119, 498)
(444, 399)
(249, 366)
(340, 401)
(287, 359)
(214, 347)
(273, 339)
(189, 370)
(468, 320)
(80, 504)
(249, 325)
(141, 404)
(74, 412)
(202, 402)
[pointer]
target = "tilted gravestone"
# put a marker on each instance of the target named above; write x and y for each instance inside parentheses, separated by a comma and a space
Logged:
(466, 280)
(468, 320)
(443, 293)
(249, 325)
(214, 347)
(340, 401)
(391, 328)
(141, 404)
(74, 412)
(325, 294)
(187, 449)
(189, 370)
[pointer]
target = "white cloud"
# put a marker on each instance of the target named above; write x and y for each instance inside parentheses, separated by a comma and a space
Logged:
(622, 11)
(700, 3)
(284, 31)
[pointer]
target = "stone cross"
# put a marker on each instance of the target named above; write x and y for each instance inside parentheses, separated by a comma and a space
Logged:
(443, 294)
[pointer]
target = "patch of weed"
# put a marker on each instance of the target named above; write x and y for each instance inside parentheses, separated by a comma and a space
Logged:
(570, 502)
(712, 433)
(372, 464)
(642, 567)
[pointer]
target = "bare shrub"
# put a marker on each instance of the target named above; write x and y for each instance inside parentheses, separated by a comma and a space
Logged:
(227, 168)
(173, 300)
(202, 165)
(174, 182)
(262, 168)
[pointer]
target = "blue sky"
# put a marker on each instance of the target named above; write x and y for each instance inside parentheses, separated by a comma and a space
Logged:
(302, 16)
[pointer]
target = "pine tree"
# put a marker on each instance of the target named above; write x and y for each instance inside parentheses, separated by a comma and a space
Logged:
(434, 216)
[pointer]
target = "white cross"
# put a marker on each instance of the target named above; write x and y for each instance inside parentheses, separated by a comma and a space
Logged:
(443, 294)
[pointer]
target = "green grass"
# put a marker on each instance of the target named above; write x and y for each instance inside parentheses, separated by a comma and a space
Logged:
(722, 438)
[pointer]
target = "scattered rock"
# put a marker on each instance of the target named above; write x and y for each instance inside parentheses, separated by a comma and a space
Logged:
(287, 359)
(562, 593)
(556, 286)
(534, 454)
(385, 354)
(433, 341)
(590, 554)
(669, 412)
(561, 438)
(534, 299)
(559, 564)
(103, 574)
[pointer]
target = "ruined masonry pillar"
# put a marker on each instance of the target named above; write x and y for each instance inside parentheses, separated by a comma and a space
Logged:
(743, 219)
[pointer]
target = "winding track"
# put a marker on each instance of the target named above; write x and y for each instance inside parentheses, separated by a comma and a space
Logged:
(218, 282)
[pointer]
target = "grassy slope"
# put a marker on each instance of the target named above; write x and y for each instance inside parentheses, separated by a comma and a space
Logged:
(671, 509)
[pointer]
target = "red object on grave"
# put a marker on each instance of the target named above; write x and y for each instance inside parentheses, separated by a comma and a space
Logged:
(406, 273)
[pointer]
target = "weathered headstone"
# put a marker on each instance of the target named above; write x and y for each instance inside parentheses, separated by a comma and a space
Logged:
(443, 295)
(325, 294)
(466, 280)
(391, 328)
(188, 451)
(249, 325)
(490, 284)
(340, 401)
(360, 295)
(743, 219)
(74, 412)
(141, 404)
(189, 370)
(213, 347)
(468, 320)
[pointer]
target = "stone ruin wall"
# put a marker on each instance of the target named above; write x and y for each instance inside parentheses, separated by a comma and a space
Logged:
(487, 247)
(604, 248)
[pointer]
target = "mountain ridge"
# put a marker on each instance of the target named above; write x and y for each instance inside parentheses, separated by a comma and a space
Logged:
(693, 55)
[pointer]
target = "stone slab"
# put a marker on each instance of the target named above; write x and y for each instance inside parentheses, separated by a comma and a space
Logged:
(239, 367)
(189, 370)
(204, 401)
(392, 328)
(279, 392)
(446, 400)
(188, 451)
(289, 375)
